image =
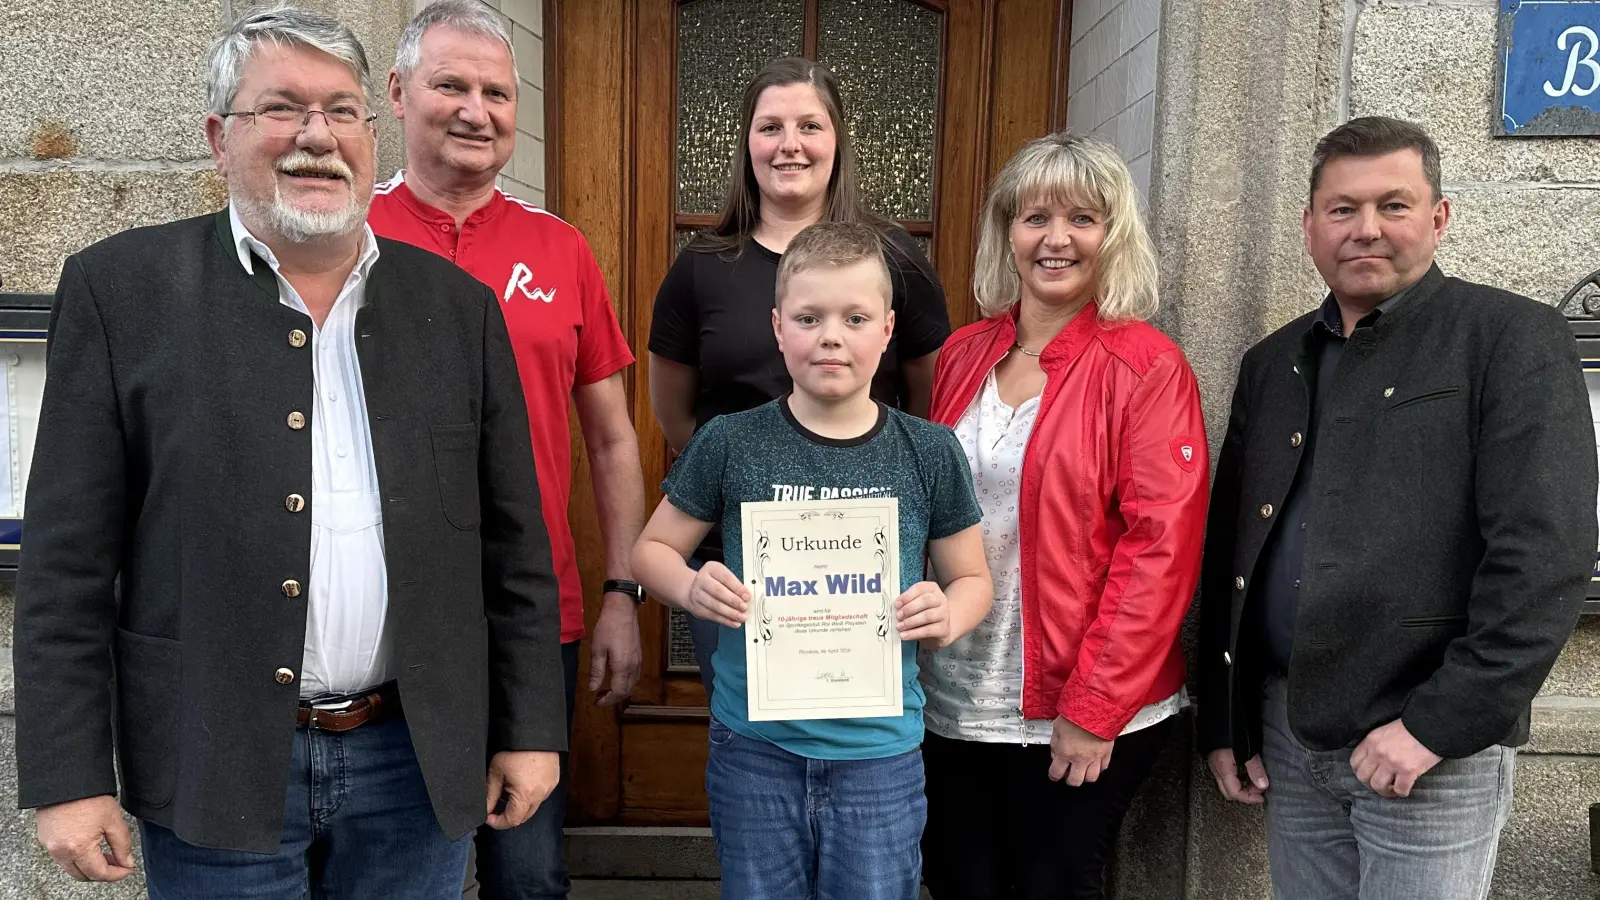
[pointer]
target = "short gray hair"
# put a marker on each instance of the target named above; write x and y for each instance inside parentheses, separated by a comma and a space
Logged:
(471, 16)
(281, 25)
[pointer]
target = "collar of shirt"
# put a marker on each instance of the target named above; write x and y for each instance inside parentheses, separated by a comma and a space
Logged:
(246, 244)
(408, 198)
(1330, 319)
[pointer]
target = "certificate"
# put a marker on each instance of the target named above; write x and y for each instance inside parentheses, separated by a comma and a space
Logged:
(821, 640)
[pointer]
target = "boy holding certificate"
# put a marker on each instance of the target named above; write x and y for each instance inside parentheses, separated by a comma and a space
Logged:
(829, 504)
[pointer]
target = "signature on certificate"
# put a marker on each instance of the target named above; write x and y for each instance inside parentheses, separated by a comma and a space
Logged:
(835, 677)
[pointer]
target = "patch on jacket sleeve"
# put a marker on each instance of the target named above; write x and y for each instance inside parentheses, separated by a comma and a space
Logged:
(1184, 453)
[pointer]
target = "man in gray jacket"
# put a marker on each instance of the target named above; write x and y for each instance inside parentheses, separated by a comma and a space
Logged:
(1401, 535)
(284, 549)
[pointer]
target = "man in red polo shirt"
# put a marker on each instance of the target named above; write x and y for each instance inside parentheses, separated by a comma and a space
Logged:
(454, 88)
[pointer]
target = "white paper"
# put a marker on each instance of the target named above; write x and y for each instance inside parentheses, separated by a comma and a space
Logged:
(822, 641)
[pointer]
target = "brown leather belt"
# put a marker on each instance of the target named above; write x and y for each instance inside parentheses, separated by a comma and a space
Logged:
(383, 703)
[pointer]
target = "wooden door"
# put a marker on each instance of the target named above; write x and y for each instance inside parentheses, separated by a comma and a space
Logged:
(642, 102)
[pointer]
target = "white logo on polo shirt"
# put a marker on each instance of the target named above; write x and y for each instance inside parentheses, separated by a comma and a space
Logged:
(520, 276)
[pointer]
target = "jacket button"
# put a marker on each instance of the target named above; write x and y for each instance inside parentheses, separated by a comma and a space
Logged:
(1227, 658)
(1296, 439)
(1238, 583)
(297, 338)
(284, 676)
(1266, 510)
(291, 588)
(297, 420)
(294, 503)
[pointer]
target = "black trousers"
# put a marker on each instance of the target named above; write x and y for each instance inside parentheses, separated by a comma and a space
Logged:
(1000, 829)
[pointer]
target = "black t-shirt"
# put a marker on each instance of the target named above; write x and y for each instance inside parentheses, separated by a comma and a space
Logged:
(715, 314)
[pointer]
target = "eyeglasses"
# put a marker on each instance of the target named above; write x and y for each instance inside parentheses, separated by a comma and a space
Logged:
(281, 119)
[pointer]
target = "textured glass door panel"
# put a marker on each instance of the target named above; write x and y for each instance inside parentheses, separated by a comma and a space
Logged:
(722, 44)
(680, 643)
(685, 235)
(885, 54)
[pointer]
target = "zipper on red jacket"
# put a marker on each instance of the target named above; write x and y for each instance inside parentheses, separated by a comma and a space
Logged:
(1022, 564)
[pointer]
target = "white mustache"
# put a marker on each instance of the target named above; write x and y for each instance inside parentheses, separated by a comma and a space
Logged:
(301, 162)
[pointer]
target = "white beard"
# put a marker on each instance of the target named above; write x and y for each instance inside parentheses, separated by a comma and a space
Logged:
(297, 225)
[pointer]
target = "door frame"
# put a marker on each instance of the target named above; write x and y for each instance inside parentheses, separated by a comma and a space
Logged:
(610, 109)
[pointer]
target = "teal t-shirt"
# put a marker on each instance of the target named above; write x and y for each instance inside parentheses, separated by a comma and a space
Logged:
(764, 454)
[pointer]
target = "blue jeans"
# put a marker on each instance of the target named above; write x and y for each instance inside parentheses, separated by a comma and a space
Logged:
(358, 824)
(1329, 837)
(526, 862)
(792, 828)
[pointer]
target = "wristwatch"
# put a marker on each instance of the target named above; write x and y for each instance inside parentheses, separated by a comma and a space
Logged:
(623, 586)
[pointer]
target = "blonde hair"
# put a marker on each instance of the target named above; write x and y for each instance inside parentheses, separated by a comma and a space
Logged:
(1081, 170)
(833, 245)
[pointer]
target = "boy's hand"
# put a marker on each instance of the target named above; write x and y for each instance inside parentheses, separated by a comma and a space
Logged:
(717, 596)
(923, 613)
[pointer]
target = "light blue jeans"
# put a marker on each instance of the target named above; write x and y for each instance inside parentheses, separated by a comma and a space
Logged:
(793, 828)
(1329, 837)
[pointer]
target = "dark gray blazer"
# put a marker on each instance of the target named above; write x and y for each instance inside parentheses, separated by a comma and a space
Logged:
(164, 458)
(1452, 524)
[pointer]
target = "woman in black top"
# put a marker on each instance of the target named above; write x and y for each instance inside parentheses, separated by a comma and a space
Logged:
(712, 350)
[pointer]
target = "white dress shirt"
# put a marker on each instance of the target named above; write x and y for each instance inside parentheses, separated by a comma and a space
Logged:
(974, 686)
(347, 635)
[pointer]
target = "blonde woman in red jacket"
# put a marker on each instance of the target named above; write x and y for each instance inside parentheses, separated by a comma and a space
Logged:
(1083, 429)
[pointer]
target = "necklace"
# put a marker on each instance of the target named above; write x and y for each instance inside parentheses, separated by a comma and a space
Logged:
(1026, 351)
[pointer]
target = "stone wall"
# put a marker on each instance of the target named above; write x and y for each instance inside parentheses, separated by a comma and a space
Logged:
(1111, 77)
(523, 176)
(1245, 89)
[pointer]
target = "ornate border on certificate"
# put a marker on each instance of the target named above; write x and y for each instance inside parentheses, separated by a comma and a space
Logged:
(821, 641)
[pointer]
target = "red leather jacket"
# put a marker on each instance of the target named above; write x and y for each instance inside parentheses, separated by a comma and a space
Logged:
(1113, 508)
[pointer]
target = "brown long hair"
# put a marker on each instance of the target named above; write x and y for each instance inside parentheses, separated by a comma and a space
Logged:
(741, 205)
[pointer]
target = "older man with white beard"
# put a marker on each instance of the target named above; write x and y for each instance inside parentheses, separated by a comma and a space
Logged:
(285, 560)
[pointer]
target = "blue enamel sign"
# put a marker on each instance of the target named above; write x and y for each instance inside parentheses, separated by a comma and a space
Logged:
(1549, 67)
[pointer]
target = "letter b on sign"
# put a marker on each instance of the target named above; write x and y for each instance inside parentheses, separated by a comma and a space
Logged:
(1584, 44)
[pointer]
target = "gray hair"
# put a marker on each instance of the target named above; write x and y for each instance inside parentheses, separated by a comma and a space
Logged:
(471, 16)
(281, 25)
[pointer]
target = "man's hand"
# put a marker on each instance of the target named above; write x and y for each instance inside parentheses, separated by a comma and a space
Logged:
(72, 833)
(1226, 771)
(923, 613)
(521, 779)
(717, 596)
(615, 650)
(1389, 760)
(1077, 754)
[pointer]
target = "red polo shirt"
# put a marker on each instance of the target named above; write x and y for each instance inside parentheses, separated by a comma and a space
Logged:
(563, 329)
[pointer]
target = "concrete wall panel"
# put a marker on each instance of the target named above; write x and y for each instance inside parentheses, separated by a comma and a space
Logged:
(1434, 65)
(122, 79)
(47, 216)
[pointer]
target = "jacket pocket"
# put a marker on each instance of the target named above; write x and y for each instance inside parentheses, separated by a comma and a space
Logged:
(149, 680)
(1424, 397)
(1432, 621)
(455, 459)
